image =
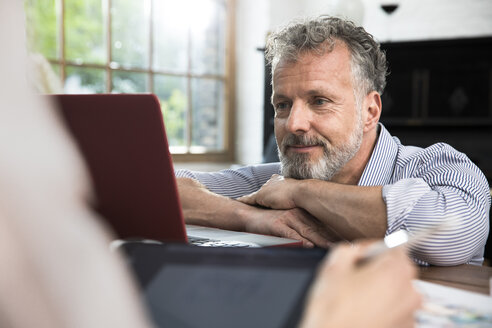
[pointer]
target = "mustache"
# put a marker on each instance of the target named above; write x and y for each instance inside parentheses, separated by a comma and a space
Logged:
(302, 140)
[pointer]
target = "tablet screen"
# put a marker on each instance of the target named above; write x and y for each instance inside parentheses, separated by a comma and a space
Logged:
(195, 287)
(222, 296)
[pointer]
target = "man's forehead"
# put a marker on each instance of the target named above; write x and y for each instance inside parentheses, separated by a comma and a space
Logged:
(315, 69)
(321, 50)
(339, 55)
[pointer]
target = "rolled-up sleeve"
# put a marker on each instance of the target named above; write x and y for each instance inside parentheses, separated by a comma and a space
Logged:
(445, 186)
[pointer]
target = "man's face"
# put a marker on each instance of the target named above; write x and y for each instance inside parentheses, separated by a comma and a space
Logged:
(318, 126)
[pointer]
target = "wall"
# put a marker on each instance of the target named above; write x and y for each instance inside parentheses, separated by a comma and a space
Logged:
(429, 19)
(251, 29)
(413, 20)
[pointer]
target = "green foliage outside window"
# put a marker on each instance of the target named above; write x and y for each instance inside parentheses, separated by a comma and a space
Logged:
(42, 27)
(85, 32)
(174, 113)
(85, 67)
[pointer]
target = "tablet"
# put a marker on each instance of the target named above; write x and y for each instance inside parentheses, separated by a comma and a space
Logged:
(188, 286)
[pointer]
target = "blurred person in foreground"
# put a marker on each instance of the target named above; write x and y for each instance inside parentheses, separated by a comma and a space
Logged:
(56, 270)
(341, 175)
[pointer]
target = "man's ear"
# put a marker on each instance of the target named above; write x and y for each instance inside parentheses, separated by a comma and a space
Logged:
(372, 107)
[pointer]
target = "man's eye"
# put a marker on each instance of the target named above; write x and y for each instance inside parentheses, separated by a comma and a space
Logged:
(281, 106)
(320, 101)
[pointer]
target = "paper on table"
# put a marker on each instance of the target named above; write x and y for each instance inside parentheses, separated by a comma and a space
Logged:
(451, 307)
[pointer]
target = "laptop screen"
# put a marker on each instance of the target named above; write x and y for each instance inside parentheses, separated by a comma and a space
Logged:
(186, 286)
(124, 144)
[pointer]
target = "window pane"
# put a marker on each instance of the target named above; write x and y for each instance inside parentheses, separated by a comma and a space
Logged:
(171, 35)
(208, 113)
(41, 26)
(172, 92)
(208, 37)
(85, 80)
(130, 33)
(84, 31)
(129, 82)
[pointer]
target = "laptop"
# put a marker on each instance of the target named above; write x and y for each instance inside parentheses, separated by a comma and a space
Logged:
(187, 287)
(123, 140)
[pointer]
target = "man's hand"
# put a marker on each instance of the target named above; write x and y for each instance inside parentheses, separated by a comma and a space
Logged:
(292, 223)
(378, 293)
(352, 211)
(277, 193)
(202, 207)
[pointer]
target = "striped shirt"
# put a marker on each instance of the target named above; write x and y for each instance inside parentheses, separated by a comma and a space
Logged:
(421, 186)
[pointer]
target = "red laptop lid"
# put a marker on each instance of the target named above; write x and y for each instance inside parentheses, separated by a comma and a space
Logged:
(124, 143)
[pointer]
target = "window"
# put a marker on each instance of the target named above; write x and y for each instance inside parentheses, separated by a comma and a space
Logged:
(179, 50)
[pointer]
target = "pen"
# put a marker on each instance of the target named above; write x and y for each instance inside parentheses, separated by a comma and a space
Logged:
(404, 238)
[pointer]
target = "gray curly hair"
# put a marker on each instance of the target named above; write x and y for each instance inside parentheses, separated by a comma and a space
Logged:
(319, 35)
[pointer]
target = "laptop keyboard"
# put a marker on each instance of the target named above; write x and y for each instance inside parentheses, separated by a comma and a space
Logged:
(205, 242)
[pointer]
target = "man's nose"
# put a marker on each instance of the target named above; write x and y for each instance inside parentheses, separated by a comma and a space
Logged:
(299, 120)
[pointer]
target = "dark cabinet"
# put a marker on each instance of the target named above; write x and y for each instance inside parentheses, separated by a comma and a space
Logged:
(439, 83)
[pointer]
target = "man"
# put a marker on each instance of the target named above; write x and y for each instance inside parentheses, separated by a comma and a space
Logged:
(342, 176)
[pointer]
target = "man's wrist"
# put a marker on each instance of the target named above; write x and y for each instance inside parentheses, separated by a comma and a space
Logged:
(241, 214)
(302, 192)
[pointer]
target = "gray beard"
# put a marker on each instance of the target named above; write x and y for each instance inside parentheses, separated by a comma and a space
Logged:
(298, 166)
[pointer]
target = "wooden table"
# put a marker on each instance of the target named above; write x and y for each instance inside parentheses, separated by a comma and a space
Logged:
(468, 277)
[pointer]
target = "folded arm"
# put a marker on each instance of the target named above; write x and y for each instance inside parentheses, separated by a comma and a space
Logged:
(203, 207)
(352, 212)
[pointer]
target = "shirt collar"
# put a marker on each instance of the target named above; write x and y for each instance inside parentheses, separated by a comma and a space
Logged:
(379, 169)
